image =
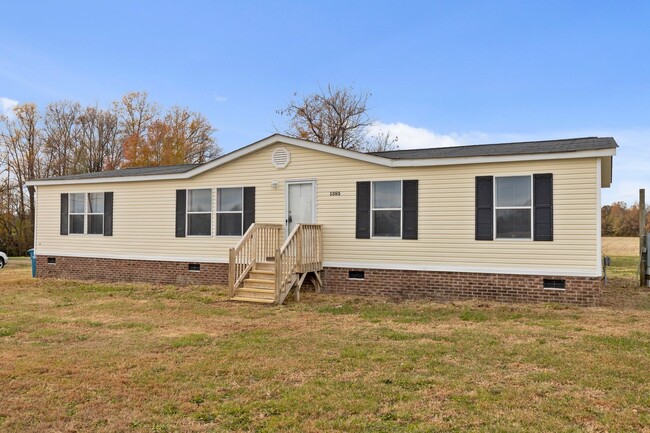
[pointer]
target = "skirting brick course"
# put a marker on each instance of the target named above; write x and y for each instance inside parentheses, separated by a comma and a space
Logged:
(452, 286)
(158, 272)
(438, 286)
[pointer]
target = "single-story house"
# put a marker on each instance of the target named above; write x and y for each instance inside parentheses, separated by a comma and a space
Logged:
(506, 222)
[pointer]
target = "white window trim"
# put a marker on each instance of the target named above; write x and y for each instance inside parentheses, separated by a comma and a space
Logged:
(495, 208)
(188, 213)
(70, 213)
(88, 214)
(372, 208)
(217, 212)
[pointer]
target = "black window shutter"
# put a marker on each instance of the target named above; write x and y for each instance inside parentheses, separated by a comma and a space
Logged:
(363, 210)
(180, 212)
(484, 208)
(64, 214)
(249, 207)
(410, 209)
(108, 214)
(543, 205)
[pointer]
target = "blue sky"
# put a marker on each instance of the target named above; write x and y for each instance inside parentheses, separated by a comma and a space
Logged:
(440, 73)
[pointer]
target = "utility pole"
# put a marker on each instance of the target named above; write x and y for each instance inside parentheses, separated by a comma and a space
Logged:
(643, 254)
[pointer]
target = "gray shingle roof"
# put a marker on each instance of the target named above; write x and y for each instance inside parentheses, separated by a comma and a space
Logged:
(502, 149)
(135, 171)
(520, 148)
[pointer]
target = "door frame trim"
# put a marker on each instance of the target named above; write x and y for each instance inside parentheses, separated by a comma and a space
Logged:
(286, 200)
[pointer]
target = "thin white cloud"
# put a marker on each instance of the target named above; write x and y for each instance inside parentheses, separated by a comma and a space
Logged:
(413, 137)
(6, 106)
(220, 98)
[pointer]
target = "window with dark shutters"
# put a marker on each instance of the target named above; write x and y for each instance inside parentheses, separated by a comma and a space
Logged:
(543, 205)
(363, 210)
(410, 209)
(484, 213)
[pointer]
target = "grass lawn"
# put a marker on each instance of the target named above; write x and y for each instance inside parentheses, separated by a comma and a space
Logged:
(78, 356)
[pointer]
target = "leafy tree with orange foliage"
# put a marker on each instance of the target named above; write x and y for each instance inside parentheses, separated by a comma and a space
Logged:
(179, 137)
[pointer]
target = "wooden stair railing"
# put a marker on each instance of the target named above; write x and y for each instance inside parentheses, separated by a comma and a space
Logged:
(300, 254)
(258, 244)
(260, 270)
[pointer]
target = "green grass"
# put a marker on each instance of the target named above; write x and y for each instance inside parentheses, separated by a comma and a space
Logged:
(79, 356)
(623, 267)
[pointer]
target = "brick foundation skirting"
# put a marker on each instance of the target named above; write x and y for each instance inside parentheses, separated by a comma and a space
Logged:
(452, 286)
(439, 286)
(114, 270)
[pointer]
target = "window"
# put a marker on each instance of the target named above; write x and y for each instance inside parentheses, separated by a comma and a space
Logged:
(76, 216)
(95, 213)
(513, 207)
(199, 212)
(386, 208)
(230, 211)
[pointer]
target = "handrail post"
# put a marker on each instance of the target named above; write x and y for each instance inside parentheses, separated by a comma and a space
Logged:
(278, 273)
(320, 246)
(231, 272)
(299, 249)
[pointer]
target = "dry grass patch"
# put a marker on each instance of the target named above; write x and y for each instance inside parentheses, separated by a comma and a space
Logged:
(78, 356)
(620, 246)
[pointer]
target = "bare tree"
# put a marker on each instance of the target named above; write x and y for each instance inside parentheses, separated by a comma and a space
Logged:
(334, 116)
(22, 139)
(61, 132)
(381, 142)
(99, 146)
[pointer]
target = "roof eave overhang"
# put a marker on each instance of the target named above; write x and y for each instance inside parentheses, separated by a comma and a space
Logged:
(373, 159)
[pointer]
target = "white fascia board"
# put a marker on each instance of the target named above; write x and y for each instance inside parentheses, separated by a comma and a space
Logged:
(386, 162)
(432, 162)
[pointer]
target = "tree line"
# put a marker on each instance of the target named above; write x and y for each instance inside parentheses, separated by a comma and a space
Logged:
(619, 219)
(66, 138)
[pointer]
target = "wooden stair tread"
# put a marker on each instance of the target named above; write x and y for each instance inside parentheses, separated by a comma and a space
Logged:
(257, 300)
(261, 271)
(255, 280)
(256, 290)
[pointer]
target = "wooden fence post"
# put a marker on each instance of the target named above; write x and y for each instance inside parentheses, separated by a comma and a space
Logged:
(643, 255)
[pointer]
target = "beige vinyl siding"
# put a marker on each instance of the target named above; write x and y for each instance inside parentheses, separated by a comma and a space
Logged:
(144, 215)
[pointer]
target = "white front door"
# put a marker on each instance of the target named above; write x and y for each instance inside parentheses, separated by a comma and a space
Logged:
(300, 204)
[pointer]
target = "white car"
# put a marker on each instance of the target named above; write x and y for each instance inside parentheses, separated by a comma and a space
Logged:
(3, 259)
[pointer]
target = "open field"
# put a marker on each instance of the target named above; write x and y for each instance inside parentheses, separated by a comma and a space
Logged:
(620, 246)
(78, 356)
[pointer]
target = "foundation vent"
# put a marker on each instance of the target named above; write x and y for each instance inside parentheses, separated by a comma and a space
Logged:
(281, 157)
(554, 284)
(356, 275)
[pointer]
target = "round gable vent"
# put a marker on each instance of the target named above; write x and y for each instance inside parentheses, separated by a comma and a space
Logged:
(281, 157)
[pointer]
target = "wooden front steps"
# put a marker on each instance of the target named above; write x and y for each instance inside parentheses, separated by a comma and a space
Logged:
(259, 285)
(263, 269)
